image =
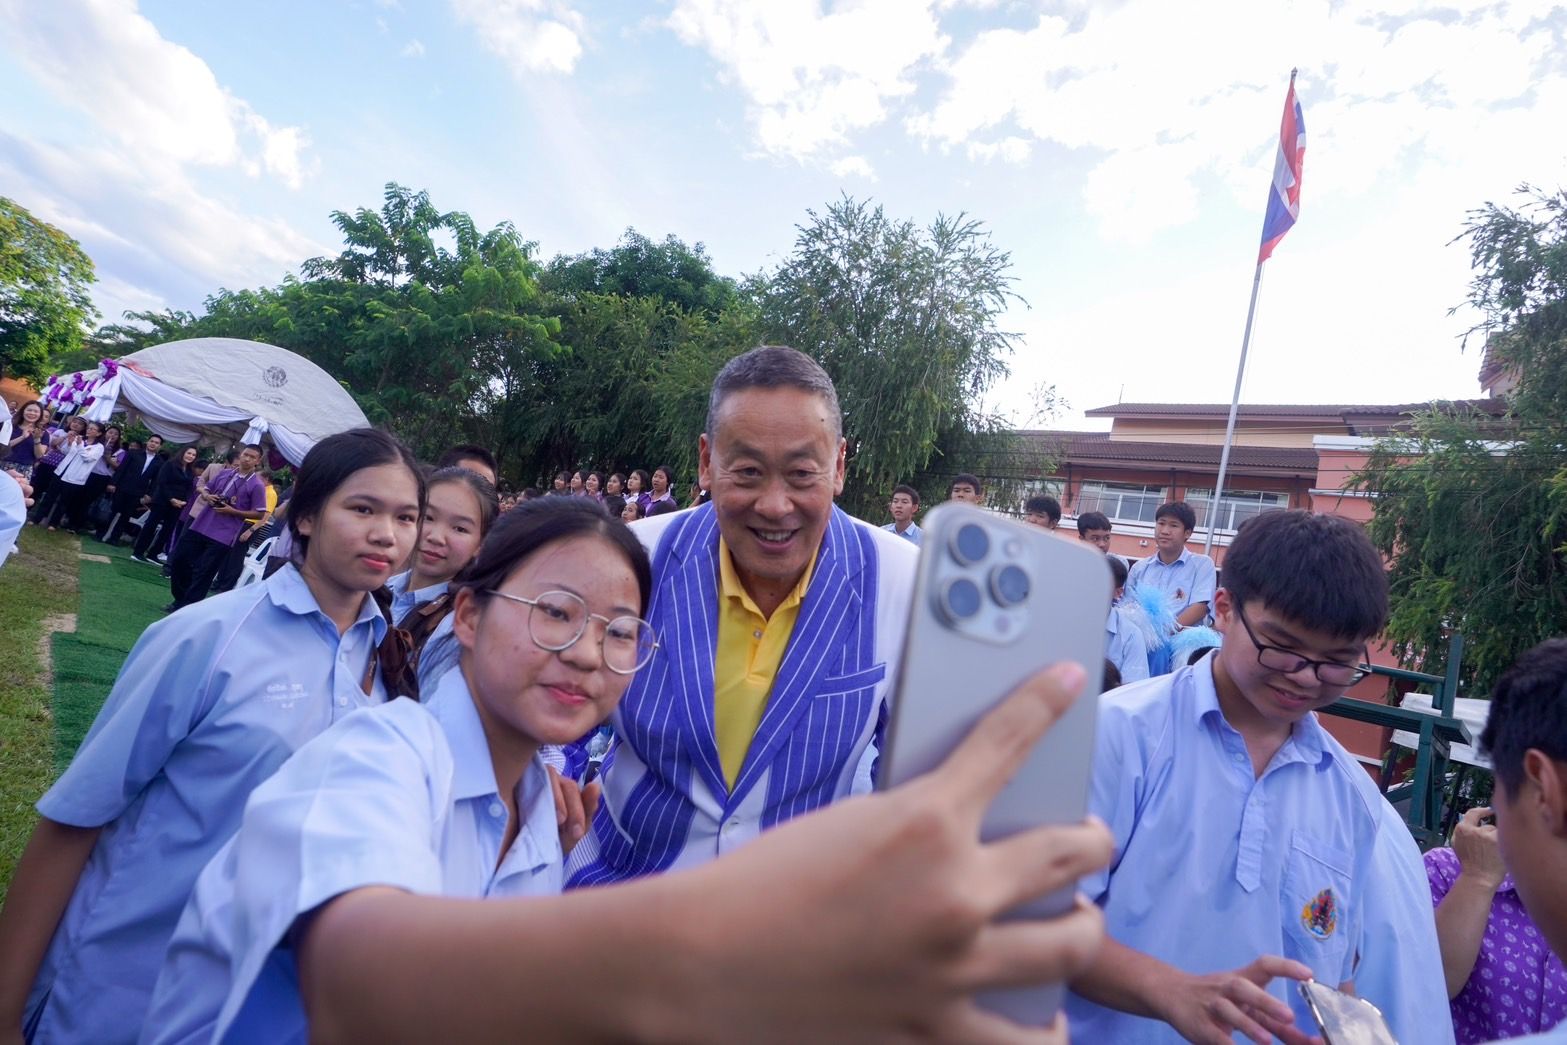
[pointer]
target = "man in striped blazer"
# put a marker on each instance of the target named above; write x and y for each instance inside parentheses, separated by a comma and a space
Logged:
(780, 620)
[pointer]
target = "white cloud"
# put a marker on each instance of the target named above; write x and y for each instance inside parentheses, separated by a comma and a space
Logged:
(1010, 149)
(1385, 82)
(852, 167)
(532, 36)
(157, 99)
(810, 78)
(413, 49)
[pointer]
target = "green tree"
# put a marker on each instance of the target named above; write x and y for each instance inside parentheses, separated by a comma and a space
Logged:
(1471, 509)
(45, 308)
(906, 321)
(670, 271)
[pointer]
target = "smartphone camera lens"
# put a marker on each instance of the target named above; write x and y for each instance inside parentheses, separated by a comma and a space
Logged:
(970, 544)
(960, 599)
(1009, 585)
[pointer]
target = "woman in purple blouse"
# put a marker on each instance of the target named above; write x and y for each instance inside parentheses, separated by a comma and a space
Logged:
(1502, 979)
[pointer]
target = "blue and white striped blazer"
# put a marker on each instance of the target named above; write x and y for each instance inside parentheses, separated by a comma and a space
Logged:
(666, 804)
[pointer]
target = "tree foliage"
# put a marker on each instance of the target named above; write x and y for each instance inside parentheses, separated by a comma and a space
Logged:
(905, 320)
(448, 334)
(1472, 510)
(45, 307)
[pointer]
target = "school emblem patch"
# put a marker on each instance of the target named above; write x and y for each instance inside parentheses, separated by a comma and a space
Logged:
(1320, 916)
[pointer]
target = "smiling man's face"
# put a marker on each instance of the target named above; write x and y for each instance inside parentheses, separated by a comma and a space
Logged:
(773, 466)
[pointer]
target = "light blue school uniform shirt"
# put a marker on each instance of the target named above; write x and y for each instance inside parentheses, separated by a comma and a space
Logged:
(1400, 970)
(912, 534)
(209, 703)
(404, 796)
(405, 601)
(1215, 867)
(1188, 580)
(1125, 648)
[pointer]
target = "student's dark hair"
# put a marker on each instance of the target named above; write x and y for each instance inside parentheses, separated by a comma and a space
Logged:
(1178, 510)
(1528, 710)
(1112, 675)
(530, 493)
(1118, 569)
(669, 477)
(663, 506)
(904, 488)
(635, 506)
(595, 475)
(647, 480)
(489, 502)
(564, 475)
(773, 366)
(528, 527)
(1043, 504)
(328, 466)
(467, 452)
(618, 475)
(1317, 571)
(614, 504)
(966, 477)
(232, 455)
(1092, 521)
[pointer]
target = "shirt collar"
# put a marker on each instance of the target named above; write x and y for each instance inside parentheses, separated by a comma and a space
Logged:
(288, 590)
(730, 587)
(1186, 553)
(473, 774)
(1305, 743)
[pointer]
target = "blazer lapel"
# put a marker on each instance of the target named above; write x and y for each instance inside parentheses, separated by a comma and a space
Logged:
(690, 624)
(830, 603)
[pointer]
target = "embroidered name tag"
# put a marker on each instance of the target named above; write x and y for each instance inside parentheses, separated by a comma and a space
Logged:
(1320, 916)
(284, 695)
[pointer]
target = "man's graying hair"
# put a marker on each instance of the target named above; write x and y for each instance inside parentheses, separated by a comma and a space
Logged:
(773, 366)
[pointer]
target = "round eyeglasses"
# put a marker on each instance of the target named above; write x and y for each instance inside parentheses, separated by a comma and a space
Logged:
(557, 619)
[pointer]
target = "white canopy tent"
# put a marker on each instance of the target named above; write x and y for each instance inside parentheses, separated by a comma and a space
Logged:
(218, 389)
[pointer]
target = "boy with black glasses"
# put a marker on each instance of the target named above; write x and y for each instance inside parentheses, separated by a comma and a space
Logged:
(1252, 849)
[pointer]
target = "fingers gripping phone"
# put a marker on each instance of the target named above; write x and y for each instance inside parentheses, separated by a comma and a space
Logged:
(995, 601)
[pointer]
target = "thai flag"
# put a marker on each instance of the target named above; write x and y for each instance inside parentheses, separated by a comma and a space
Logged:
(1284, 196)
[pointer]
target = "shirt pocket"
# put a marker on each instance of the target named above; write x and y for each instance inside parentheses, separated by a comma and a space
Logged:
(836, 685)
(1318, 903)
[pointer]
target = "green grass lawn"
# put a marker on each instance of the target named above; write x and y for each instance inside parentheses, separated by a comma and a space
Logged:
(41, 727)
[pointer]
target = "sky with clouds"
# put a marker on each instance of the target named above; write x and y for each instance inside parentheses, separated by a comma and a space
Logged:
(1120, 151)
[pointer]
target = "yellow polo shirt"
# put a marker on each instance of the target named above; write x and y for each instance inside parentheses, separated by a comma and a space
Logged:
(750, 648)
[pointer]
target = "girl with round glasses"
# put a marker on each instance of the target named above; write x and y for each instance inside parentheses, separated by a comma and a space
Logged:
(443, 798)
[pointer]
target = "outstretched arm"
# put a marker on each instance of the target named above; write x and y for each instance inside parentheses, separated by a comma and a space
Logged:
(871, 919)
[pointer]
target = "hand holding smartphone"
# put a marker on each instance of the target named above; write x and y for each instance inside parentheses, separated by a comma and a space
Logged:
(1343, 1018)
(996, 600)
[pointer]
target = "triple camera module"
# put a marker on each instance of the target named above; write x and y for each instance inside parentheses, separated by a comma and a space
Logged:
(982, 591)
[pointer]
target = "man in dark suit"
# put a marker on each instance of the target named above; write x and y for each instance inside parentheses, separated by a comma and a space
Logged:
(131, 482)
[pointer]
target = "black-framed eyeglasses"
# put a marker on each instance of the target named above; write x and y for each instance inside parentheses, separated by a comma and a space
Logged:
(557, 619)
(1287, 662)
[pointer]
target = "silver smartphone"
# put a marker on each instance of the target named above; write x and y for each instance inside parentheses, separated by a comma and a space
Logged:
(1345, 1019)
(996, 600)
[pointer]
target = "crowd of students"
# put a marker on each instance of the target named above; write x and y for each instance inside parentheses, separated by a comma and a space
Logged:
(278, 823)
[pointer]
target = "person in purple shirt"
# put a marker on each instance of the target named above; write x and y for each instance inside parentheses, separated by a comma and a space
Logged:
(1526, 739)
(233, 498)
(1502, 979)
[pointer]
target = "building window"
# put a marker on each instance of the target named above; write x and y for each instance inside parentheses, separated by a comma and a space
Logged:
(1235, 506)
(1122, 502)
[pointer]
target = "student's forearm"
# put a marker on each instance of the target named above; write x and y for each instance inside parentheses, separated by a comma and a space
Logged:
(1460, 928)
(609, 964)
(1193, 614)
(1127, 980)
(45, 878)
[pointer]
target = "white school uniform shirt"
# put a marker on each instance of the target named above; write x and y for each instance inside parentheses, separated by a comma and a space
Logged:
(13, 514)
(401, 796)
(77, 464)
(405, 601)
(1188, 580)
(209, 703)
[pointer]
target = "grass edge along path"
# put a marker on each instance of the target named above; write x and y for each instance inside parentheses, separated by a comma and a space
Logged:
(109, 603)
(38, 588)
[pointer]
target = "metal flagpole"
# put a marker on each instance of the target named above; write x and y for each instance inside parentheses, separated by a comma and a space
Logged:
(1229, 427)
